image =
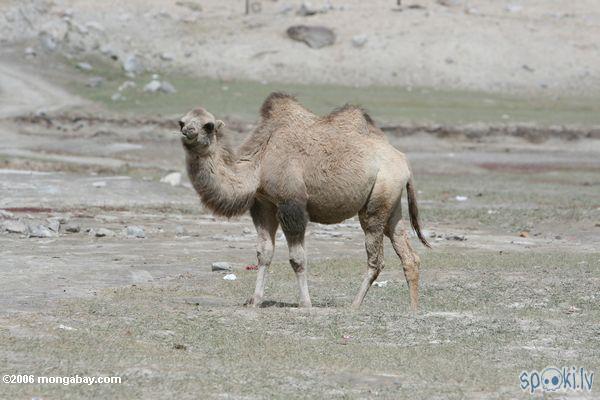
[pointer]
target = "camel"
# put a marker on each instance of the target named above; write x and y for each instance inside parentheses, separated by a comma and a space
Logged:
(297, 167)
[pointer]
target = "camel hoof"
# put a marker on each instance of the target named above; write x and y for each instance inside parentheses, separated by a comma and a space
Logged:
(252, 302)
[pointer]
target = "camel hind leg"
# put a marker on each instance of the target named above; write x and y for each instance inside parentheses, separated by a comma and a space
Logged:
(373, 218)
(410, 260)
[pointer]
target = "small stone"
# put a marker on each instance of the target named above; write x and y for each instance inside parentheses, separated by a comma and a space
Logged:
(152, 86)
(103, 232)
(117, 96)
(30, 52)
(230, 277)
(14, 227)
(166, 87)
(456, 237)
(306, 10)
(359, 40)
(99, 184)
(173, 179)
(135, 232)
(84, 66)
(221, 266)
(126, 85)
(72, 228)
(97, 26)
(524, 234)
(381, 284)
(513, 8)
(132, 64)
(48, 42)
(180, 230)
(461, 198)
(167, 56)
(53, 224)
(40, 231)
(95, 81)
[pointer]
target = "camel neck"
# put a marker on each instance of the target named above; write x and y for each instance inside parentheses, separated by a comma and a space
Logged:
(224, 185)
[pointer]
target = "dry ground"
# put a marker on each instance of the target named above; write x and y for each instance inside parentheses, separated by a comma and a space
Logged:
(519, 293)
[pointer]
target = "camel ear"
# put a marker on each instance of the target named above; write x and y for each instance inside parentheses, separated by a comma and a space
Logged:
(219, 124)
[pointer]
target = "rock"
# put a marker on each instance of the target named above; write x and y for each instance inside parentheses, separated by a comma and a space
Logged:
(381, 284)
(66, 328)
(456, 237)
(306, 9)
(97, 26)
(158, 86)
(173, 179)
(136, 232)
(53, 224)
(40, 231)
(167, 56)
(180, 230)
(95, 81)
(48, 42)
(230, 277)
(166, 87)
(72, 228)
(359, 40)
(103, 232)
(132, 64)
(152, 86)
(30, 52)
(84, 66)
(14, 227)
(315, 37)
(513, 8)
(221, 266)
(6, 214)
(126, 85)
(117, 96)
(461, 198)
(99, 184)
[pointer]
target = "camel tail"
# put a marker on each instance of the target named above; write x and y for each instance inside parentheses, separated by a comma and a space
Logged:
(413, 211)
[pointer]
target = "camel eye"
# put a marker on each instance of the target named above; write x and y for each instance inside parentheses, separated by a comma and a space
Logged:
(209, 127)
(181, 124)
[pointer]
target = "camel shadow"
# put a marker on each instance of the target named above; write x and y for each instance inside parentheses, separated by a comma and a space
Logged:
(283, 304)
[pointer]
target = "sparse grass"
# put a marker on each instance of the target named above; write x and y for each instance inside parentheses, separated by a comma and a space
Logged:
(484, 318)
(242, 99)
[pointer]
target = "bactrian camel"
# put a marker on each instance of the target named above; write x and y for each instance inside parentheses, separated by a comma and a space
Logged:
(297, 167)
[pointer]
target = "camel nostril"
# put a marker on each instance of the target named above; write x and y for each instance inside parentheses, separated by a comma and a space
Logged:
(181, 124)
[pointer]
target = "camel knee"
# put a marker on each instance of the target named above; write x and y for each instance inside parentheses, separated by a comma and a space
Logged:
(411, 268)
(297, 260)
(264, 253)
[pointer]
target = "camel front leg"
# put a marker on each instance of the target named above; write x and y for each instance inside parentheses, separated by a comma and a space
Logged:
(265, 222)
(293, 219)
(298, 262)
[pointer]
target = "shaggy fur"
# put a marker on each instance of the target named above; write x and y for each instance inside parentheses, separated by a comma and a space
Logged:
(298, 167)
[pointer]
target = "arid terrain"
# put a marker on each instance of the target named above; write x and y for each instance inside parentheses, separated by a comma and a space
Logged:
(106, 251)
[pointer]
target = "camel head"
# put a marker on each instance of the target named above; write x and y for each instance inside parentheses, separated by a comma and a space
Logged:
(199, 127)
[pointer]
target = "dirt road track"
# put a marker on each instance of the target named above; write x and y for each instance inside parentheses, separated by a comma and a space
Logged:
(22, 93)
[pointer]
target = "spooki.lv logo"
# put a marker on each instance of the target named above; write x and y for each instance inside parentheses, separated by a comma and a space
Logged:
(553, 379)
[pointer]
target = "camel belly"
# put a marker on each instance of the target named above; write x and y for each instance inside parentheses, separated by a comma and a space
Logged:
(333, 201)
